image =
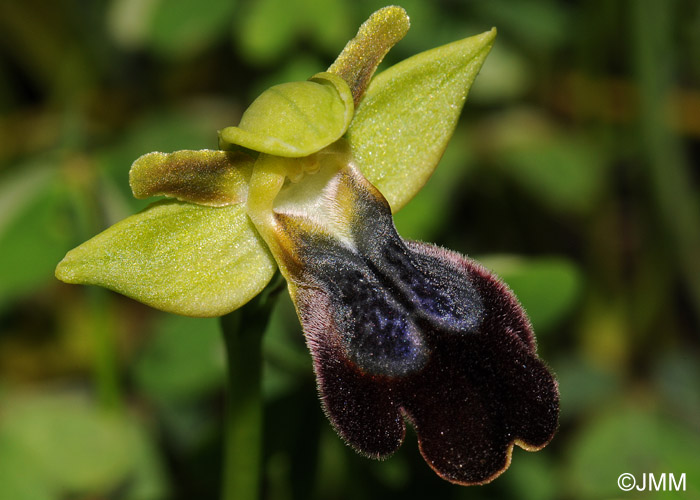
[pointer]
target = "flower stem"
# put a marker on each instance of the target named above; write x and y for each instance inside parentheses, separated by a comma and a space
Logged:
(243, 427)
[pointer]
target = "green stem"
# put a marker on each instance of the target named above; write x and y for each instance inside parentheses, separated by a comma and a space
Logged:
(106, 364)
(243, 427)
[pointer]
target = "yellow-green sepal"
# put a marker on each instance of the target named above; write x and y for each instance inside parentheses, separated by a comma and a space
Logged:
(294, 119)
(178, 257)
(405, 120)
(206, 177)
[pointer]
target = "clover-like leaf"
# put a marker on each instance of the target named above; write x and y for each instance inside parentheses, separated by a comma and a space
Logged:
(294, 119)
(403, 124)
(177, 257)
(206, 177)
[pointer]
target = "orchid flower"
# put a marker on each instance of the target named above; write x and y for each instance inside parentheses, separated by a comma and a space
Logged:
(399, 331)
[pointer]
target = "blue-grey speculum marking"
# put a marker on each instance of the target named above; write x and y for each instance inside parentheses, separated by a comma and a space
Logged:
(379, 300)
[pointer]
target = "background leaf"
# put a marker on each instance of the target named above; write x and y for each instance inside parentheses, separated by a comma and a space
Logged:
(54, 441)
(546, 287)
(33, 228)
(181, 28)
(635, 442)
(178, 342)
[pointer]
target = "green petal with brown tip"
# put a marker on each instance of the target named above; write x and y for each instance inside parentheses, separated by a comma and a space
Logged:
(207, 177)
(294, 119)
(177, 257)
(403, 124)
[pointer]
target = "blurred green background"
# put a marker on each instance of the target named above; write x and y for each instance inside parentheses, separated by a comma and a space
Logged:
(573, 174)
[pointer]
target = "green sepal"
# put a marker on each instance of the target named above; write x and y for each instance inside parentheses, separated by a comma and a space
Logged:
(294, 119)
(404, 122)
(206, 177)
(177, 257)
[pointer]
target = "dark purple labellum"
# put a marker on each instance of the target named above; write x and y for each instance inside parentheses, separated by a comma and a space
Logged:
(376, 332)
(409, 331)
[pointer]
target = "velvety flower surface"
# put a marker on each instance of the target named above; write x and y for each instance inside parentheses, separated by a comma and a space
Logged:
(307, 183)
(405, 330)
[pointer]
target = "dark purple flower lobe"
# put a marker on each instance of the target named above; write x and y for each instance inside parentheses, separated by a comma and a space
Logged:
(409, 331)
